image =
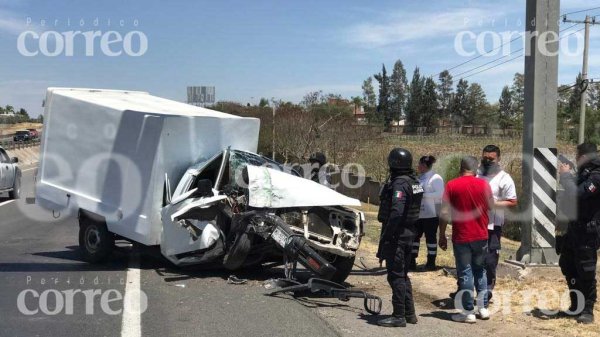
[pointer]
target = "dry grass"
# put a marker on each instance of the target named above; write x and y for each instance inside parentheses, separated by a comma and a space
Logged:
(6, 129)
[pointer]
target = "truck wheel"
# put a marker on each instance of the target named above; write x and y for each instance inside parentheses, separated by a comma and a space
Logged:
(16, 192)
(343, 266)
(95, 241)
(236, 256)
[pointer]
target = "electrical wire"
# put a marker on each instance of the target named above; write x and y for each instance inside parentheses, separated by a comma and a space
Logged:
(580, 11)
(487, 52)
(501, 63)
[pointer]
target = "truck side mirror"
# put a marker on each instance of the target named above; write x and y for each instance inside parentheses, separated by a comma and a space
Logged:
(14, 160)
(204, 189)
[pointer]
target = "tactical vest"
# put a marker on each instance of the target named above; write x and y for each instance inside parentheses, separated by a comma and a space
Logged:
(385, 200)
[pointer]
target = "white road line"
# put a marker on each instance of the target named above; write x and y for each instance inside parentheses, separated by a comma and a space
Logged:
(6, 202)
(131, 325)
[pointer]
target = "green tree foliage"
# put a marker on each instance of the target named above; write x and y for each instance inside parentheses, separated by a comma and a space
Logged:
(369, 97)
(444, 92)
(573, 106)
(263, 102)
(506, 113)
(398, 90)
(383, 107)
(476, 103)
(414, 102)
(517, 91)
(460, 104)
(429, 105)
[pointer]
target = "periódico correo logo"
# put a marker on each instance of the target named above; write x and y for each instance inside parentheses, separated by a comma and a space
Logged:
(53, 43)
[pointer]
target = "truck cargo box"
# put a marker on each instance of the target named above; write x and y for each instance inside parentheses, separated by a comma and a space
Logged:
(114, 153)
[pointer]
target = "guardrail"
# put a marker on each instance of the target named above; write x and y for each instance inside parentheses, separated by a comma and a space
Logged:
(12, 145)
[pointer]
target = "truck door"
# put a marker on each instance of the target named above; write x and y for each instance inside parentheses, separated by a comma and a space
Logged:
(6, 171)
(190, 220)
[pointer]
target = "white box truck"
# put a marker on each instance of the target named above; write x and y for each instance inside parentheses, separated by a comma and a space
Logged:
(163, 173)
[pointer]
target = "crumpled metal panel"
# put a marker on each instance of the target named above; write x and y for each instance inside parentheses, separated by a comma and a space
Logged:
(269, 188)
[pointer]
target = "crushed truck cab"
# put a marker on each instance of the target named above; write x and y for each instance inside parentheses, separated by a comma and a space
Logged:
(162, 173)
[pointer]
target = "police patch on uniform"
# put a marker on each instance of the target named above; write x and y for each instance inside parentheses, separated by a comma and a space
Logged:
(592, 188)
(398, 195)
(417, 189)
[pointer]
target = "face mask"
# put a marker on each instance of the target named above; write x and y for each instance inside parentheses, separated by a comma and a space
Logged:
(489, 167)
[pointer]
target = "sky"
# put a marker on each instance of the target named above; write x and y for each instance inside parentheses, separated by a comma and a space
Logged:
(272, 49)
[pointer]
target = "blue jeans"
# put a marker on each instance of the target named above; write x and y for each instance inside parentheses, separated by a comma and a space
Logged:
(470, 270)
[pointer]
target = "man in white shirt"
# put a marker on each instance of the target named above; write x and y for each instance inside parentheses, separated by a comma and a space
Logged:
(505, 196)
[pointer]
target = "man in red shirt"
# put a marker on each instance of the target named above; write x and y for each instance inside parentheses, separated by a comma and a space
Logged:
(466, 202)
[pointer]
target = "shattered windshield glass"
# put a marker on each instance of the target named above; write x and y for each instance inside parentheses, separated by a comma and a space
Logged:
(238, 160)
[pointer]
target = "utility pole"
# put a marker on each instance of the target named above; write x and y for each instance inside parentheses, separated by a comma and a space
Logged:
(273, 133)
(584, 72)
(539, 136)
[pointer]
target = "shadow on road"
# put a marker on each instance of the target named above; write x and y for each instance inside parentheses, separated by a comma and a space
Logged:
(443, 315)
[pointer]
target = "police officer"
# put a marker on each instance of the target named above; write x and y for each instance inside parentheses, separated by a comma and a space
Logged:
(578, 247)
(398, 212)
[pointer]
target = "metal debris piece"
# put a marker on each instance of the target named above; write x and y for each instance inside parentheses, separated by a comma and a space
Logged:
(232, 279)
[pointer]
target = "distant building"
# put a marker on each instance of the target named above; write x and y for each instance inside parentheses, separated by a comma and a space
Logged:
(7, 114)
(201, 95)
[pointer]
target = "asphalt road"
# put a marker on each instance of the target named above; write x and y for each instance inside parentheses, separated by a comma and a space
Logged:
(46, 290)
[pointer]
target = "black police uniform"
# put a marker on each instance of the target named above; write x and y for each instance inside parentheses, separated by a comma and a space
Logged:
(578, 248)
(399, 210)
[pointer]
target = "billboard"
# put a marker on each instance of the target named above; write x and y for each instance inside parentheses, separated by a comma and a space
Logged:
(200, 95)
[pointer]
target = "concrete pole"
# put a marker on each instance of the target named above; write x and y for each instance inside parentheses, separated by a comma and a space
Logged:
(539, 134)
(273, 134)
(584, 75)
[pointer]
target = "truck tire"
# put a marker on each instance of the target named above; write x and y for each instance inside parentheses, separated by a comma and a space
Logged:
(343, 267)
(236, 256)
(16, 191)
(95, 241)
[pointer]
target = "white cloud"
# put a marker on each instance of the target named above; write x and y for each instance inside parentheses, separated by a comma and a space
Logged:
(405, 27)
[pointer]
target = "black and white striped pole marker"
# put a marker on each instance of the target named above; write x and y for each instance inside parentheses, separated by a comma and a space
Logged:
(545, 165)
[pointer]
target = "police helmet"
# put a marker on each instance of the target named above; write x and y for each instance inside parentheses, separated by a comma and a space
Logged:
(400, 159)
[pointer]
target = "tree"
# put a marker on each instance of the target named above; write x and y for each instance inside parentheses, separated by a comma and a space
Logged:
(505, 109)
(369, 97)
(429, 106)
(9, 109)
(459, 105)
(23, 112)
(444, 92)
(414, 101)
(477, 103)
(573, 107)
(383, 107)
(517, 91)
(398, 90)
(263, 102)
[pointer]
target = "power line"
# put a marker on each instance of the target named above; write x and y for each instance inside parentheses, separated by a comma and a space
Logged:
(580, 11)
(501, 63)
(489, 51)
(492, 67)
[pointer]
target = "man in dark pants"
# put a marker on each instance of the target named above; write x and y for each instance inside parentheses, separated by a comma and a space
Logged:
(578, 247)
(399, 210)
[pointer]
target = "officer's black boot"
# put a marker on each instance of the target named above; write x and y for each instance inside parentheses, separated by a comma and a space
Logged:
(413, 264)
(572, 311)
(412, 319)
(430, 262)
(393, 322)
(587, 317)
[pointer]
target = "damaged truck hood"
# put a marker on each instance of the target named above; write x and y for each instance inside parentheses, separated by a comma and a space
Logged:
(269, 188)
